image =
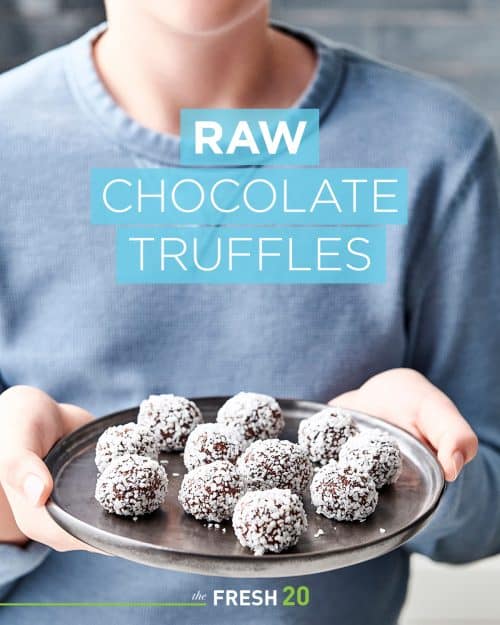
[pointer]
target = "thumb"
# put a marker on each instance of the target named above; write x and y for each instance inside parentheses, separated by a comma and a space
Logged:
(28, 476)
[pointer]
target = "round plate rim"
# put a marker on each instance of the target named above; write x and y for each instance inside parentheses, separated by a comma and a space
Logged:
(57, 512)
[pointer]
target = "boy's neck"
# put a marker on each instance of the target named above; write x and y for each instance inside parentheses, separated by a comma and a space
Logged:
(153, 72)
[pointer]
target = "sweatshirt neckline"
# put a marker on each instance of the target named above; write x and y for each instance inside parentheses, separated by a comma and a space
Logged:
(163, 148)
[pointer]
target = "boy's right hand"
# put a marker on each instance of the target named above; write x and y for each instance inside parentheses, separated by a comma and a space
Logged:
(30, 423)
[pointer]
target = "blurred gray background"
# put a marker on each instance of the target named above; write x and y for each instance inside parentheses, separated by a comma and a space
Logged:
(458, 40)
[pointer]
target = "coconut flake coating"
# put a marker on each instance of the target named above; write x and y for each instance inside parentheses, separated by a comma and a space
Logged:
(132, 485)
(275, 463)
(130, 438)
(323, 434)
(210, 492)
(373, 452)
(171, 418)
(269, 520)
(210, 442)
(253, 416)
(340, 493)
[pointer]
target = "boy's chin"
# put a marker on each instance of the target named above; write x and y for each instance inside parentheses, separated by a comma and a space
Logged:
(205, 18)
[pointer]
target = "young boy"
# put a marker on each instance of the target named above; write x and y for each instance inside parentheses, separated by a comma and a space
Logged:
(112, 99)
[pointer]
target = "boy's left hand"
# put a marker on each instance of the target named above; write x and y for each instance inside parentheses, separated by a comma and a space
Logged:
(407, 399)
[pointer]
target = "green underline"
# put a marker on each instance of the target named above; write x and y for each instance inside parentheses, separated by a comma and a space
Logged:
(127, 604)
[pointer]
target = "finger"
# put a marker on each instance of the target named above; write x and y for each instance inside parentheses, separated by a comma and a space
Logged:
(31, 422)
(447, 431)
(354, 400)
(422, 409)
(29, 419)
(26, 474)
(438, 423)
(36, 524)
(74, 417)
(364, 402)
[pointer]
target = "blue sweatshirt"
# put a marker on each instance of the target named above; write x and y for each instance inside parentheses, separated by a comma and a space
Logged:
(68, 328)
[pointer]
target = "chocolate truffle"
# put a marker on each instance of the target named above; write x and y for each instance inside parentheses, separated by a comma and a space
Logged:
(323, 434)
(275, 463)
(373, 452)
(253, 416)
(132, 485)
(269, 520)
(211, 491)
(209, 442)
(130, 438)
(340, 493)
(171, 418)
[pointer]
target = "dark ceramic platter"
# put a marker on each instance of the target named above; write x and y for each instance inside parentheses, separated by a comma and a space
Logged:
(173, 540)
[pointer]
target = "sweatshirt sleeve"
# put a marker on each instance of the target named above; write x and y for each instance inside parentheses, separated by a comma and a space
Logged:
(454, 340)
(16, 562)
